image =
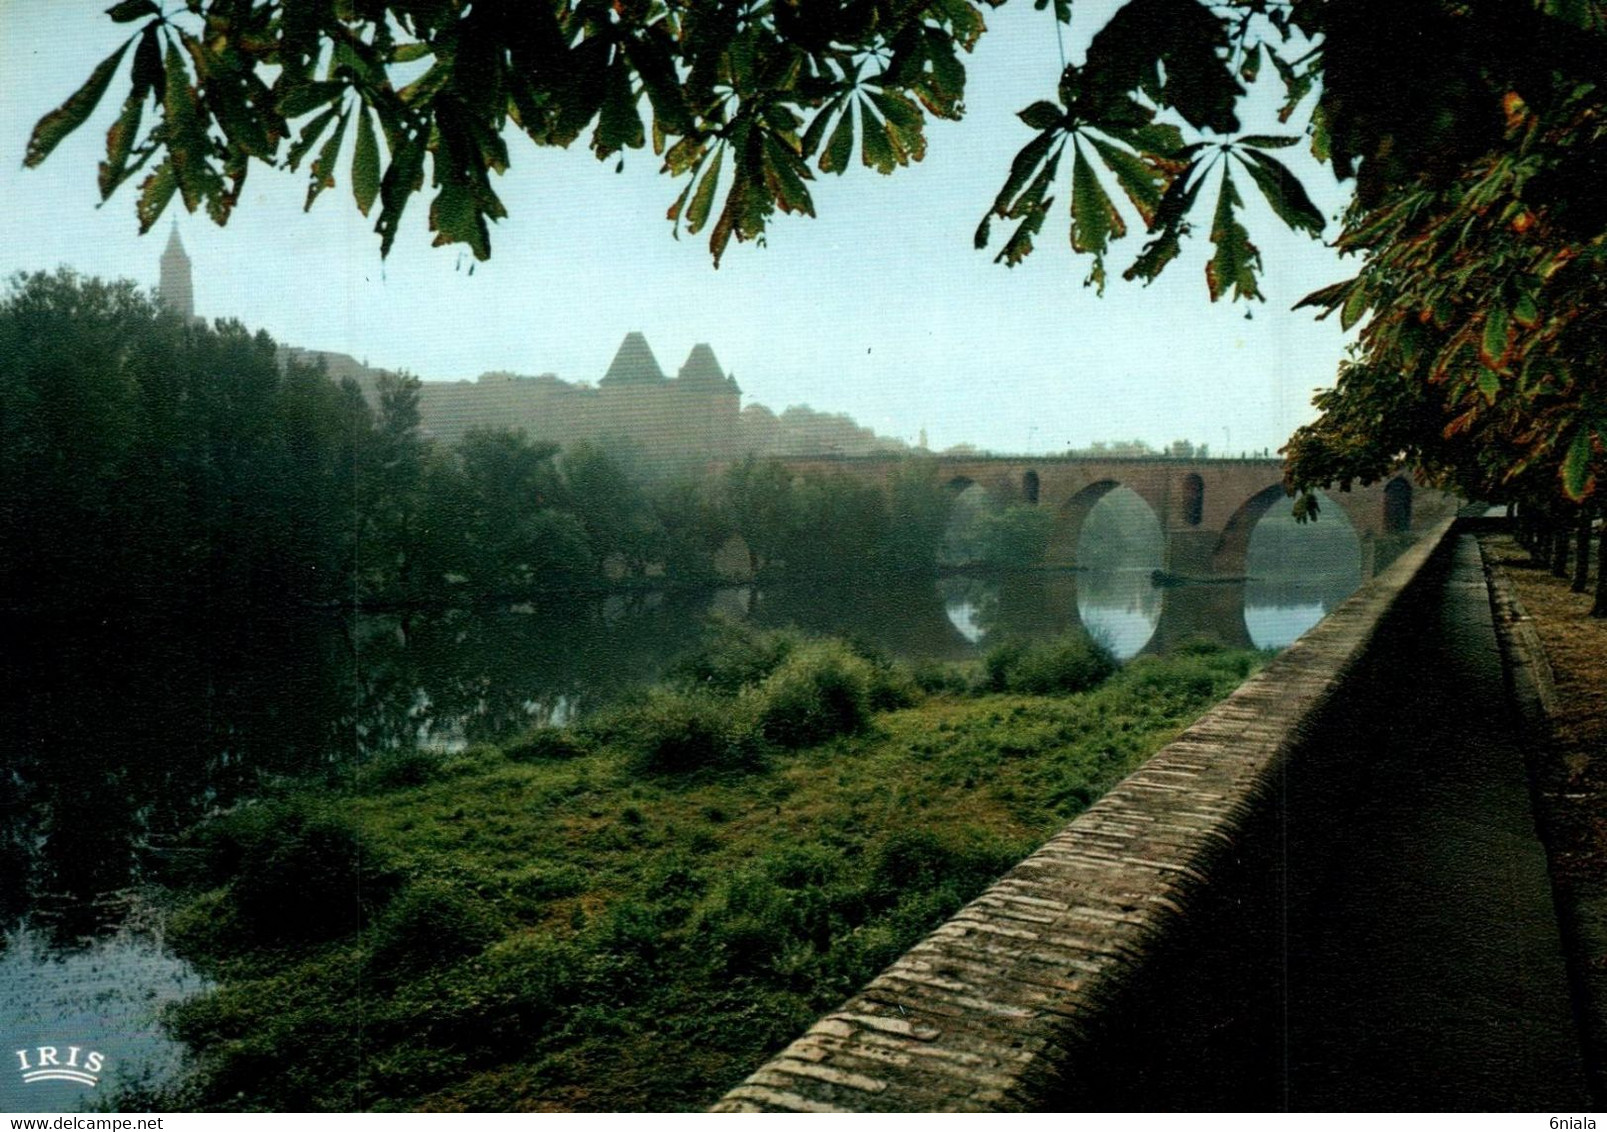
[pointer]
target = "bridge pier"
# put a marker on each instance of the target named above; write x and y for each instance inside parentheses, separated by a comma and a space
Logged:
(1192, 552)
(1212, 611)
(1038, 605)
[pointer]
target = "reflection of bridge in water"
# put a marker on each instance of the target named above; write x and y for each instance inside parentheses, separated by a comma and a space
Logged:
(1206, 511)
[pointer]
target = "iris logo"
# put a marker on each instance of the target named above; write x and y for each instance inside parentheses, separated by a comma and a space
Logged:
(48, 1064)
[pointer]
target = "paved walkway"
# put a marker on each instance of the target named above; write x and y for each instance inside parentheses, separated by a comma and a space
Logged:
(1423, 964)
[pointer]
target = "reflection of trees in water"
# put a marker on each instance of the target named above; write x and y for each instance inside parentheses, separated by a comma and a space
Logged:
(124, 731)
(475, 676)
(132, 725)
(1120, 608)
(970, 603)
(1012, 606)
(903, 620)
(1120, 544)
(1125, 591)
(1327, 590)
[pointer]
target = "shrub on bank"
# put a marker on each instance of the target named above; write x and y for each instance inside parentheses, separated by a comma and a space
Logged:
(751, 923)
(295, 870)
(399, 770)
(891, 686)
(945, 677)
(429, 924)
(733, 656)
(1071, 663)
(679, 732)
(319, 880)
(512, 990)
(822, 690)
(1199, 675)
(654, 934)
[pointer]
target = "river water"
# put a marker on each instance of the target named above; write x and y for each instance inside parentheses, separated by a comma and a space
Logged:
(126, 731)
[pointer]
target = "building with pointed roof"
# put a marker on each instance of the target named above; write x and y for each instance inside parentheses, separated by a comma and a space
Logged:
(633, 364)
(175, 289)
(692, 418)
(688, 420)
(701, 372)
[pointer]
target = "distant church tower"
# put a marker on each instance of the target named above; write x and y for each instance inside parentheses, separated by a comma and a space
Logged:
(175, 289)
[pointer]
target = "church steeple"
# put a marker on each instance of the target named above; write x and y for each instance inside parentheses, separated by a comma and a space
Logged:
(175, 289)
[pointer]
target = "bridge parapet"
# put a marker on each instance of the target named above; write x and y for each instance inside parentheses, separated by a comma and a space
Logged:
(1012, 1004)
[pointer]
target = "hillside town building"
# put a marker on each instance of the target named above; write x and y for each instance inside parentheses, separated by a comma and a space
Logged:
(634, 408)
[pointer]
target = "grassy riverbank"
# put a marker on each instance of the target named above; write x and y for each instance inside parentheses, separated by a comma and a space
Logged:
(634, 913)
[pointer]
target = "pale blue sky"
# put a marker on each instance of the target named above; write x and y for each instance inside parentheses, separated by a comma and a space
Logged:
(880, 308)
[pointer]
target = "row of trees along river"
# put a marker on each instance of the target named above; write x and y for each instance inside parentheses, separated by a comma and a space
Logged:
(223, 573)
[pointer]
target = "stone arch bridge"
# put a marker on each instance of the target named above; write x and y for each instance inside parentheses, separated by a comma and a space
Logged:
(1206, 510)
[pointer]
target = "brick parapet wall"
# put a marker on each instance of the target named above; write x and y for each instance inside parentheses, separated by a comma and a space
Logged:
(1003, 1007)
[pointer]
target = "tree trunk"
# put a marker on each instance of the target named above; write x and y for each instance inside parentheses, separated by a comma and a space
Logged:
(1582, 553)
(1559, 550)
(1600, 608)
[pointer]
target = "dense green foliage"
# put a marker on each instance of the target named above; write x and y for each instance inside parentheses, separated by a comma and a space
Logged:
(742, 102)
(620, 915)
(745, 692)
(829, 526)
(981, 530)
(218, 479)
(169, 492)
(1480, 239)
(209, 476)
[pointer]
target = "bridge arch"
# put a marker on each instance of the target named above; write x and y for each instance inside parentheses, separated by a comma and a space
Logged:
(1069, 520)
(733, 561)
(1243, 593)
(1298, 573)
(1233, 548)
(969, 502)
(1116, 540)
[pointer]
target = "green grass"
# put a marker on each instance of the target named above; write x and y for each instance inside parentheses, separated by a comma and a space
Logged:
(635, 914)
